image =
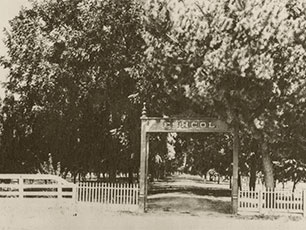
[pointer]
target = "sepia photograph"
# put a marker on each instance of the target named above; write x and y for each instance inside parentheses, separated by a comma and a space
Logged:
(152, 114)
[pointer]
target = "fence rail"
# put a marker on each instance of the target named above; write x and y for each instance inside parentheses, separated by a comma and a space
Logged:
(272, 201)
(23, 186)
(109, 194)
(36, 192)
(33, 189)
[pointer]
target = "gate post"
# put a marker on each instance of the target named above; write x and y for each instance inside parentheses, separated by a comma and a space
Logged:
(235, 170)
(59, 191)
(20, 187)
(144, 142)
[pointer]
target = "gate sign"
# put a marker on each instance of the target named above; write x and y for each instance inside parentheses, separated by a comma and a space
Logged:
(184, 125)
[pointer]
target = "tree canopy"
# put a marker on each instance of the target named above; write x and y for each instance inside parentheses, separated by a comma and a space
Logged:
(242, 61)
(80, 70)
(69, 67)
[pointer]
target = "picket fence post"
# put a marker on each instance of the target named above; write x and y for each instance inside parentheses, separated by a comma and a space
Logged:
(304, 203)
(75, 197)
(259, 200)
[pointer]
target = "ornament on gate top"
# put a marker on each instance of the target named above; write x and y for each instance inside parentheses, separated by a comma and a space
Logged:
(144, 111)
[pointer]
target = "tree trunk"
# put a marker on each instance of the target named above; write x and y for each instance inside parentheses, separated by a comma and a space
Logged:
(131, 175)
(252, 182)
(268, 174)
(294, 185)
(267, 166)
(74, 177)
(239, 181)
(112, 175)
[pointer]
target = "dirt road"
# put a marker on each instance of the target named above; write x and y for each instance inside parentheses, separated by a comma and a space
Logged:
(127, 221)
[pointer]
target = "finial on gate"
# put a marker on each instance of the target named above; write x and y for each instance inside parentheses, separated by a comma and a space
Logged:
(144, 111)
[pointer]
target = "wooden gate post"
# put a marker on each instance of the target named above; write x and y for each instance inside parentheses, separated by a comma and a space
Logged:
(20, 187)
(144, 142)
(235, 170)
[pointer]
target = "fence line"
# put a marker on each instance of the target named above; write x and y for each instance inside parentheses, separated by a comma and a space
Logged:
(269, 200)
(23, 186)
(36, 192)
(108, 193)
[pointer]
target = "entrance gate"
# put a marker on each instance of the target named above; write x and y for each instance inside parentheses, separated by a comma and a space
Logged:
(188, 125)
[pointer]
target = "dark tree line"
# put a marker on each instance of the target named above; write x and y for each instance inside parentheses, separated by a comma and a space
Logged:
(79, 71)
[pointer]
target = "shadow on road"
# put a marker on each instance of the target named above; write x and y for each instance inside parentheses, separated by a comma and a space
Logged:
(185, 194)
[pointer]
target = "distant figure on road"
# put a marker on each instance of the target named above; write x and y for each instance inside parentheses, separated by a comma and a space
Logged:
(158, 166)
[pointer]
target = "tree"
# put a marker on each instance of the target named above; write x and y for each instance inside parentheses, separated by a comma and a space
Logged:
(15, 156)
(198, 153)
(47, 167)
(69, 65)
(235, 61)
(79, 71)
(291, 170)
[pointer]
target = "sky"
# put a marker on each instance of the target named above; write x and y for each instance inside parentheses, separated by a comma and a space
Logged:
(8, 9)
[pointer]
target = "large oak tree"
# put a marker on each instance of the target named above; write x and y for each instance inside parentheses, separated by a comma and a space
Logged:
(242, 61)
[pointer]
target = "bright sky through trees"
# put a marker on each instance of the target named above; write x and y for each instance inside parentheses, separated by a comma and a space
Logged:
(8, 9)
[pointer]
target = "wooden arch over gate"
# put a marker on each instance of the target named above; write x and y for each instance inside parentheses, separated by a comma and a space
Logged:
(188, 125)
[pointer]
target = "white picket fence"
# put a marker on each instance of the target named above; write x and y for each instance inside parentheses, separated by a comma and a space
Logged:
(117, 196)
(272, 201)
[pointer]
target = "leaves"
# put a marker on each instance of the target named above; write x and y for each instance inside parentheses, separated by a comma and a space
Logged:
(68, 63)
(82, 68)
(241, 61)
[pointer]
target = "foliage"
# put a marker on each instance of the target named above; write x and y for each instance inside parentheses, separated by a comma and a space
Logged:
(234, 61)
(198, 153)
(47, 167)
(79, 69)
(290, 170)
(69, 67)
